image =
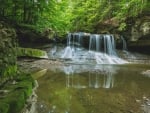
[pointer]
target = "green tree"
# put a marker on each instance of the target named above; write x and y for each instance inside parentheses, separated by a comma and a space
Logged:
(70, 15)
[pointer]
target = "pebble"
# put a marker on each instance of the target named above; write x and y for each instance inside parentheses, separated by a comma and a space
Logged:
(138, 101)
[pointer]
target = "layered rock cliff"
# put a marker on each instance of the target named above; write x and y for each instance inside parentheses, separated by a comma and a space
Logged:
(8, 54)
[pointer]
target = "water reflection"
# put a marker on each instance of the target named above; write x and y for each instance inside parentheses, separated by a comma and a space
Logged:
(93, 89)
(100, 69)
(90, 81)
(109, 82)
(96, 76)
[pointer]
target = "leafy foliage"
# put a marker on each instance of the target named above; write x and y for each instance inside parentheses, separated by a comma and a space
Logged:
(39, 13)
(70, 15)
(88, 14)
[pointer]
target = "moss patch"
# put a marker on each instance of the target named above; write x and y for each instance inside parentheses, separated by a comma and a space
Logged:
(4, 107)
(15, 100)
(7, 49)
(31, 53)
(18, 90)
(10, 70)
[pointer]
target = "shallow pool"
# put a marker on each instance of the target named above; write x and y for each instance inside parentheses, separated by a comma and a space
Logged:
(94, 89)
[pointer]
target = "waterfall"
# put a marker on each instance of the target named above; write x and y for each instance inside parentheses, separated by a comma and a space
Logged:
(101, 48)
(107, 41)
(124, 47)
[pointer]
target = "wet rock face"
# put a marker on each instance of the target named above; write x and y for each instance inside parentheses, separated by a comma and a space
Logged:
(145, 28)
(140, 30)
(135, 34)
(48, 33)
(139, 39)
(29, 36)
(7, 49)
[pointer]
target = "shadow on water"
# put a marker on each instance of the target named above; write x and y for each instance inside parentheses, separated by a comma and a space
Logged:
(94, 89)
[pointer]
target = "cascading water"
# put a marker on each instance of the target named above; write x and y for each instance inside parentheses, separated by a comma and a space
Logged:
(127, 54)
(101, 49)
(74, 45)
(124, 47)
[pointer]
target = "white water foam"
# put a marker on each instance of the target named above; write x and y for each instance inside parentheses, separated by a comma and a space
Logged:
(101, 49)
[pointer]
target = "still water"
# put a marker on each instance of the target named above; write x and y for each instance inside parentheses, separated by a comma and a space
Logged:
(94, 89)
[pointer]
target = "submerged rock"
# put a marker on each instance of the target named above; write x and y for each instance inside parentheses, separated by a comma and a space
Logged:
(39, 73)
(146, 73)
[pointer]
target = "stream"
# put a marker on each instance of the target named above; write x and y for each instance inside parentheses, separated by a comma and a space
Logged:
(94, 89)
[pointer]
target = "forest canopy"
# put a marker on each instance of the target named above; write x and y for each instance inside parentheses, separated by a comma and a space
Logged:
(70, 15)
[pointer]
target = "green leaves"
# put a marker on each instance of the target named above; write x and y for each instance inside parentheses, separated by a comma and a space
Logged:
(88, 14)
(56, 16)
(70, 15)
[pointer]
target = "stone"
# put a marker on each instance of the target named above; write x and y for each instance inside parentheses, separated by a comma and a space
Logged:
(140, 29)
(145, 28)
(135, 34)
(36, 53)
(8, 51)
(146, 73)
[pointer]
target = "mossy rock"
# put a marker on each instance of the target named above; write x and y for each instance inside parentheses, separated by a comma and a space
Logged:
(4, 107)
(28, 52)
(25, 85)
(8, 54)
(25, 77)
(7, 72)
(10, 70)
(15, 100)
